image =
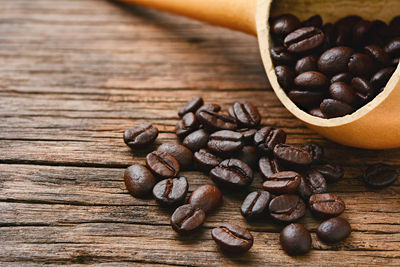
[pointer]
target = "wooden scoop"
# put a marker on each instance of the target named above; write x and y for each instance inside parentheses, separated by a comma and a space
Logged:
(376, 125)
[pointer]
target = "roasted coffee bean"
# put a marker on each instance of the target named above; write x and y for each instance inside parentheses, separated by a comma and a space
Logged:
(379, 32)
(285, 77)
(305, 190)
(361, 65)
(248, 155)
(225, 142)
(361, 33)
(285, 182)
(232, 173)
(248, 135)
(395, 62)
(206, 197)
(363, 89)
(335, 60)
(295, 239)
(140, 136)
(205, 160)
(268, 167)
(186, 125)
(306, 99)
(292, 157)
(283, 25)
(162, 164)
(326, 205)
(314, 21)
(342, 77)
(139, 180)
(308, 63)
(316, 151)
(280, 56)
(333, 230)
(231, 112)
(317, 181)
(304, 40)
(344, 29)
(317, 113)
(267, 138)
(191, 106)
(287, 208)
(332, 108)
(394, 26)
(381, 78)
(196, 140)
(170, 192)
(246, 114)
(380, 175)
(232, 238)
(311, 81)
(393, 48)
(343, 92)
(209, 107)
(183, 155)
(329, 31)
(377, 53)
(186, 219)
(331, 172)
(214, 121)
(255, 204)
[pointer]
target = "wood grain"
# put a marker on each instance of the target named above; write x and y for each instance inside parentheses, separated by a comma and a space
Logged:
(75, 74)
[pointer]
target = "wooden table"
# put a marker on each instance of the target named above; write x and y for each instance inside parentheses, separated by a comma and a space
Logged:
(74, 74)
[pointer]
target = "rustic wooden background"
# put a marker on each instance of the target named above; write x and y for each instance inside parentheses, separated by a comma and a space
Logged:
(74, 74)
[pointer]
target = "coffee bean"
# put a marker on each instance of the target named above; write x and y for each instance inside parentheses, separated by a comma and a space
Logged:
(332, 108)
(267, 138)
(331, 172)
(183, 155)
(196, 140)
(139, 180)
(343, 93)
(380, 175)
(333, 230)
(377, 53)
(186, 125)
(140, 136)
(268, 167)
(314, 21)
(379, 32)
(285, 182)
(225, 142)
(232, 238)
(305, 190)
(393, 48)
(363, 89)
(287, 208)
(170, 192)
(317, 113)
(316, 151)
(205, 160)
(344, 29)
(308, 63)
(335, 60)
(292, 157)
(326, 205)
(246, 114)
(285, 77)
(214, 121)
(306, 99)
(232, 173)
(304, 40)
(186, 219)
(209, 107)
(311, 81)
(248, 155)
(255, 204)
(162, 164)
(395, 62)
(295, 239)
(317, 181)
(361, 65)
(381, 78)
(344, 77)
(191, 106)
(283, 25)
(280, 56)
(361, 33)
(206, 197)
(394, 26)
(329, 31)
(248, 135)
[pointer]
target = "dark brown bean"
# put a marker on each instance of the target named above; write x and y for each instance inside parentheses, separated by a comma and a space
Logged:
(317, 181)
(232, 173)
(394, 26)
(304, 40)
(246, 114)
(361, 65)
(287, 208)
(283, 25)
(326, 205)
(206, 197)
(393, 48)
(305, 190)
(186, 125)
(280, 56)
(183, 155)
(285, 77)
(380, 175)
(335, 60)
(205, 160)
(191, 106)
(295, 239)
(292, 157)
(361, 33)
(232, 238)
(377, 53)
(363, 89)
(381, 78)
(331, 172)
(329, 31)
(255, 204)
(186, 219)
(268, 167)
(308, 63)
(343, 92)
(139, 180)
(248, 135)
(342, 77)
(162, 164)
(317, 113)
(311, 81)
(140, 136)
(248, 155)
(332, 108)
(170, 192)
(314, 21)
(316, 151)
(267, 138)
(306, 99)
(225, 142)
(285, 182)
(209, 107)
(214, 121)
(196, 140)
(333, 230)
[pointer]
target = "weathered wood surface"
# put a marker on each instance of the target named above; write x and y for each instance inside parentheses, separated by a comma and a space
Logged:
(75, 74)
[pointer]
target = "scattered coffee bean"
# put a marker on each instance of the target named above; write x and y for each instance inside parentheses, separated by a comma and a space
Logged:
(140, 136)
(292, 157)
(304, 40)
(326, 205)
(267, 138)
(183, 155)
(248, 135)
(332, 108)
(316, 151)
(186, 219)
(191, 106)
(205, 160)
(316, 181)
(232, 238)
(380, 175)
(214, 121)
(248, 155)
(225, 142)
(287, 208)
(295, 239)
(209, 107)
(334, 230)
(268, 167)
(139, 180)
(305, 190)
(246, 114)
(232, 173)
(196, 140)
(331, 172)
(162, 164)
(285, 182)
(206, 197)
(255, 204)
(170, 192)
(186, 125)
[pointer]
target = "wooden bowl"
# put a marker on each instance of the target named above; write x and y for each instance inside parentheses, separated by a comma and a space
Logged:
(375, 125)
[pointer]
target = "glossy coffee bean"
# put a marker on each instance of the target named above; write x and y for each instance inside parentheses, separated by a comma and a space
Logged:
(292, 157)
(295, 239)
(205, 160)
(381, 78)
(331, 172)
(326, 205)
(395, 62)
(317, 113)
(209, 107)
(394, 26)
(363, 89)
(379, 33)
(380, 175)
(361, 65)
(335, 60)
(333, 230)
(170, 192)
(316, 151)
(304, 40)
(285, 77)
(248, 135)
(361, 33)
(186, 219)
(140, 136)
(232, 173)
(393, 48)
(213, 121)
(287, 208)
(316, 181)
(311, 81)
(196, 140)
(284, 24)
(232, 238)
(249, 155)
(305, 190)
(332, 108)
(329, 31)
(314, 21)
(268, 167)
(206, 197)
(225, 142)
(191, 106)
(162, 164)
(344, 29)
(377, 53)
(280, 56)
(267, 138)
(343, 93)
(246, 114)
(255, 204)
(285, 182)
(186, 125)
(139, 180)
(342, 77)
(306, 99)
(304, 64)
(183, 155)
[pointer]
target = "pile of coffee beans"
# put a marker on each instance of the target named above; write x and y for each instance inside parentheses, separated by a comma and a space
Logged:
(331, 70)
(230, 147)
